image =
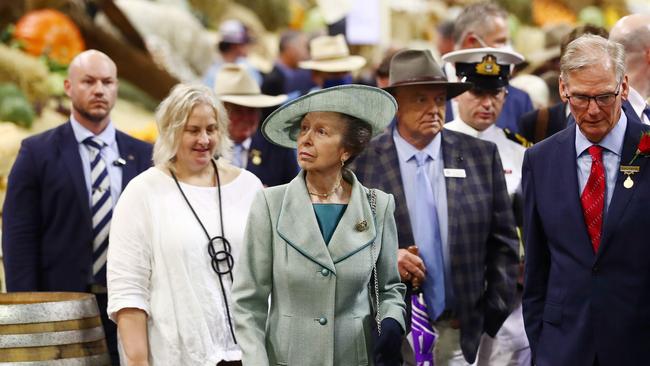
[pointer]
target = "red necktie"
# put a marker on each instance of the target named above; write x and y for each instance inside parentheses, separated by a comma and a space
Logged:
(593, 196)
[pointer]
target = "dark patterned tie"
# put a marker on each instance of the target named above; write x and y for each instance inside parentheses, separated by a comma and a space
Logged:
(593, 197)
(101, 205)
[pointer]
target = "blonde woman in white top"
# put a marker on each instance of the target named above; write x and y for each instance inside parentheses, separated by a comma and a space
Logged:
(175, 237)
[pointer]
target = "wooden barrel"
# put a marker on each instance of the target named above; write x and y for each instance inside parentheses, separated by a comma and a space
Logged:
(51, 328)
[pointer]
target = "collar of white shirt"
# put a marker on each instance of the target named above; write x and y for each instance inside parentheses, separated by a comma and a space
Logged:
(613, 141)
(405, 150)
(81, 133)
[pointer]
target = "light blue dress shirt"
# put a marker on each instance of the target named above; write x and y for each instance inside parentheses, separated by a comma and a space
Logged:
(612, 145)
(109, 154)
(408, 168)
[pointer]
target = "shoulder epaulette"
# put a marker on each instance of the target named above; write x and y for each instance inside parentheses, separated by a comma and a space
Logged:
(513, 136)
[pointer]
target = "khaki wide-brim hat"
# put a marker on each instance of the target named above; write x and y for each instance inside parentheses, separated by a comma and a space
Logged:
(417, 67)
(331, 54)
(369, 104)
(233, 84)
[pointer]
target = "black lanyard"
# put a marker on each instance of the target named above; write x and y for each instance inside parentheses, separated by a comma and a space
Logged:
(216, 257)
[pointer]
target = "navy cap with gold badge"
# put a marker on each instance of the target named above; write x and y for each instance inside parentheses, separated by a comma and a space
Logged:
(486, 68)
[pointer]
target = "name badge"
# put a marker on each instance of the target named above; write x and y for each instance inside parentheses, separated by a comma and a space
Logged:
(455, 173)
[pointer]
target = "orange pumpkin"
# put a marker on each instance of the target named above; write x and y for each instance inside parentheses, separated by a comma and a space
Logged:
(51, 33)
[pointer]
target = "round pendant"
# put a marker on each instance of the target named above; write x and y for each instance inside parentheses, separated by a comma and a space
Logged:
(257, 160)
(628, 182)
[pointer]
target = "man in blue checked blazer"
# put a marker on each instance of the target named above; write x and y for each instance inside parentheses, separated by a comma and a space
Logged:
(474, 224)
(587, 277)
(61, 192)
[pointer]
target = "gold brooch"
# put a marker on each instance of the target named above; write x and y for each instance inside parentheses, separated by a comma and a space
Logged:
(362, 225)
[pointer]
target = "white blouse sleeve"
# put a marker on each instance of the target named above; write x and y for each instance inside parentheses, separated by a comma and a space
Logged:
(129, 251)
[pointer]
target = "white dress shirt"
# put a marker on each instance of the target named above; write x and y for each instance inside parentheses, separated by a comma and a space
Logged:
(511, 153)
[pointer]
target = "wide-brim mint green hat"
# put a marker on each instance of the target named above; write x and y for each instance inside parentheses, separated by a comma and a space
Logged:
(369, 104)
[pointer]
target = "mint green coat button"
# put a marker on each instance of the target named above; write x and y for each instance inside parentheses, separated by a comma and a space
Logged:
(324, 272)
(322, 321)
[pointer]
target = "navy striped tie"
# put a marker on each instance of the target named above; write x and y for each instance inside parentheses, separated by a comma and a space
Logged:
(101, 206)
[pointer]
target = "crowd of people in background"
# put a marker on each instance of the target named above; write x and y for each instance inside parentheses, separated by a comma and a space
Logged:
(435, 214)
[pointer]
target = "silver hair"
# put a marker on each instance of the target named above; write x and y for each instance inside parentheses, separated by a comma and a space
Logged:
(172, 115)
(473, 19)
(589, 50)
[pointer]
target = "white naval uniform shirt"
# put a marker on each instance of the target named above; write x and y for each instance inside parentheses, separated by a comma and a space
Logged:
(511, 153)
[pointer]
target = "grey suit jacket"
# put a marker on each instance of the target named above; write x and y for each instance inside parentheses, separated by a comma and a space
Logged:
(320, 309)
(482, 238)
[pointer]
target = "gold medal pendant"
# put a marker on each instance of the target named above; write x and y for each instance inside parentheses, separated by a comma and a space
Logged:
(629, 171)
(628, 182)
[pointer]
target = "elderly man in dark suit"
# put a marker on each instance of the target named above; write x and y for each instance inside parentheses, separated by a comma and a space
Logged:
(587, 279)
(451, 201)
(62, 190)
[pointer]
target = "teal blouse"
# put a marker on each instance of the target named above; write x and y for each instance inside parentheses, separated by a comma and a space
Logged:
(328, 216)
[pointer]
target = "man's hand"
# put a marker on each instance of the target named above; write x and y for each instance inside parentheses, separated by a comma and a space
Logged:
(410, 266)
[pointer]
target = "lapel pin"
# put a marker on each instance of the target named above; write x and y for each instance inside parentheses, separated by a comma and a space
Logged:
(256, 157)
(130, 157)
(362, 225)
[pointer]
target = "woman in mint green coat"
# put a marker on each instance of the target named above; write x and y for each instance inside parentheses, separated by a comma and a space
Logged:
(312, 245)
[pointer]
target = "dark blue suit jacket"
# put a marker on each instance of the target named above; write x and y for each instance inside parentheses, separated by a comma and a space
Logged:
(274, 164)
(579, 305)
(47, 229)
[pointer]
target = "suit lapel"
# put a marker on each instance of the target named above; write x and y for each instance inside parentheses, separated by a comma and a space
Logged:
(566, 188)
(621, 195)
(69, 149)
(388, 171)
(298, 226)
(347, 240)
(130, 169)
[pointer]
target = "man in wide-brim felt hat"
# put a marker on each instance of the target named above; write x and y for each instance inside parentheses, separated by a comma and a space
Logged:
(457, 240)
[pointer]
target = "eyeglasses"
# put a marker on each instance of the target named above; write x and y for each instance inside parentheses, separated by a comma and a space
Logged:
(602, 100)
(494, 94)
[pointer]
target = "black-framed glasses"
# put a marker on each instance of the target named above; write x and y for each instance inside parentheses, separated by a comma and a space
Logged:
(601, 100)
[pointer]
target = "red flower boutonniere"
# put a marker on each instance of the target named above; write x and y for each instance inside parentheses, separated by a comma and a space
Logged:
(643, 148)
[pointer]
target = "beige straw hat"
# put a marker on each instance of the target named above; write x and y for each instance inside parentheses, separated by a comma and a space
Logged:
(234, 85)
(331, 54)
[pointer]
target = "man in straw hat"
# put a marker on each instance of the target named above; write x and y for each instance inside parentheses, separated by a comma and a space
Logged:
(331, 63)
(243, 100)
(488, 70)
(456, 231)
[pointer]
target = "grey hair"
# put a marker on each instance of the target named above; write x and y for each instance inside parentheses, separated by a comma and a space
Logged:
(589, 50)
(473, 19)
(172, 115)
